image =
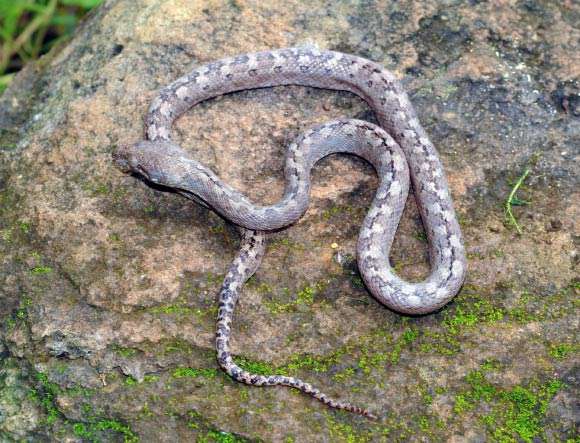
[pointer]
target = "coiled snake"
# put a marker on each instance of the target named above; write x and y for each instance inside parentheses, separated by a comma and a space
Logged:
(399, 149)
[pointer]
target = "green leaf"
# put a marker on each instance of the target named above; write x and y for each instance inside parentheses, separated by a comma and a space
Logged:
(10, 13)
(5, 81)
(517, 202)
(66, 20)
(86, 4)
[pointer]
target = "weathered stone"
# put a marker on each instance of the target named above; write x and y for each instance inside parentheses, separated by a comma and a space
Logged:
(109, 287)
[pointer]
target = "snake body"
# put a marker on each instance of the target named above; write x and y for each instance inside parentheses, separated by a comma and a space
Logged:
(399, 150)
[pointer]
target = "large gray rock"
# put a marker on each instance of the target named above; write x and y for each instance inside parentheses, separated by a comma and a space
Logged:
(109, 287)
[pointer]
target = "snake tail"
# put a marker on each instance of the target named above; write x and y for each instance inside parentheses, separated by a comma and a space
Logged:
(242, 268)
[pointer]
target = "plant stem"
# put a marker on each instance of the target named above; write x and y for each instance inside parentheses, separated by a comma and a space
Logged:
(508, 204)
(11, 48)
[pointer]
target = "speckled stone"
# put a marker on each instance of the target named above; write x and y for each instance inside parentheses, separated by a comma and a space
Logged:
(109, 287)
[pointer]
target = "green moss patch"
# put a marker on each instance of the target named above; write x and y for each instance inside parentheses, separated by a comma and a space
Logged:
(94, 429)
(561, 351)
(304, 297)
(205, 433)
(194, 372)
(516, 413)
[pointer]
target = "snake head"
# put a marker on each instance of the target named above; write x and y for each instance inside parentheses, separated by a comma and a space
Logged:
(153, 160)
(163, 163)
(124, 159)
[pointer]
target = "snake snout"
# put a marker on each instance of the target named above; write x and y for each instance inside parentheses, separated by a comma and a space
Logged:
(124, 159)
(151, 160)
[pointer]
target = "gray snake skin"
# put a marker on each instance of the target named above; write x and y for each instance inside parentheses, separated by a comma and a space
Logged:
(399, 150)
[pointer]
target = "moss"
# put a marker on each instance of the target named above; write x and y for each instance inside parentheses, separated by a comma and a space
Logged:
(45, 394)
(481, 389)
(421, 236)
(212, 279)
(370, 350)
(338, 210)
(125, 352)
(333, 210)
(46, 391)
(9, 200)
(562, 350)
(424, 424)
(454, 323)
(357, 281)
(521, 315)
(344, 375)
(80, 391)
(475, 255)
(523, 409)
(194, 372)
(39, 270)
(150, 378)
(220, 437)
(516, 412)
(297, 362)
(6, 235)
(370, 356)
(473, 308)
(260, 287)
(145, 412)
(408, 337)
(285, 242)
(345, 432)
(426, 396)
(92, 430)
(365, 431)
(351, 271)
(96, 188)
(177, 346)
(498, 253)
(182, 306)
(461, 404)
(379, 349)
(256, 366)
(219, 228)
(20, 314)
(372, 347)
(10, 323)
(313, 363)
(470, 310)
(304, 297)
(208, 434)
(114, 237)
(130, 381)
(175, 309)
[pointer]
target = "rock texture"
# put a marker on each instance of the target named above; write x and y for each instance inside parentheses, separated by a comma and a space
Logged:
(109, 287)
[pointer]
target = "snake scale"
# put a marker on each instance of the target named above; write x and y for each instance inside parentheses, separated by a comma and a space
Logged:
(399, 150)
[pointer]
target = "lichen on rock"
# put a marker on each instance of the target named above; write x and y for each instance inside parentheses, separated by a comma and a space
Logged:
(109, 286)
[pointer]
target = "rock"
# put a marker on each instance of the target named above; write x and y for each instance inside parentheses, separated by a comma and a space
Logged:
(554, 225)
(19, 416)
(109, 286)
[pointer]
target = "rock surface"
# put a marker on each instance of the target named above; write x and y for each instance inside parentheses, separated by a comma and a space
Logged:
(109, 287)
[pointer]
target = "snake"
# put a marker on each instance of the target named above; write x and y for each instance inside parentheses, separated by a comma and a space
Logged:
(398, 148)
